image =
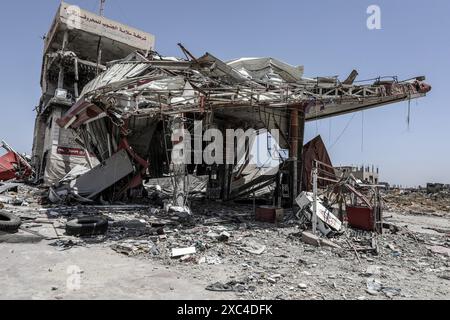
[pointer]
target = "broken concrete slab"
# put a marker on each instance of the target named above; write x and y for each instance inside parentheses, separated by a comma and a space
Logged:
(316, 241)
(224, 236)
(19, 237)
(96, 180)
(328, 243)
(439, 250)
(253, 247)
(4, 187)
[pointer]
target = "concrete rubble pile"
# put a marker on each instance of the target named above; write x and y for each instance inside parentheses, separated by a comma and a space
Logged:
(418, 201)
(275, 261)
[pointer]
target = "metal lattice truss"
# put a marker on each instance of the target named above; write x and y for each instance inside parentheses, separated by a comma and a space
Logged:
(154, 86)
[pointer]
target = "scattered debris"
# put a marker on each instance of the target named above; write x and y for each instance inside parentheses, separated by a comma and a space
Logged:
(302, 286)
(374, 286)
(224, 236)
(316, 241)
(326, 221)
(231, 286)
(417, 201)
(66, 244)
(9, 187)
(253, 247)
(439, 250)
(134, 247)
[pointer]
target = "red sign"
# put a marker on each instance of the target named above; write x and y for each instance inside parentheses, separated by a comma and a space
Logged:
(71, 152)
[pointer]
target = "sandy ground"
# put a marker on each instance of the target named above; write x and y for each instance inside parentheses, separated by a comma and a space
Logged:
(39, 271)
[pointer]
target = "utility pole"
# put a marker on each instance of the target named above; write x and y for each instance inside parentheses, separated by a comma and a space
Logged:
(314, 215)
(102, 7)
(99, 46)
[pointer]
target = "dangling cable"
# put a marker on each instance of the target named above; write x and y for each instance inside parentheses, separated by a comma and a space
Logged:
(343, 131)
(329, 131)
(408, 118)
(362, 131)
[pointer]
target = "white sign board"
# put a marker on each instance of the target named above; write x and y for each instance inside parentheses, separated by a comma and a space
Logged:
(76, 18)
(306, 199)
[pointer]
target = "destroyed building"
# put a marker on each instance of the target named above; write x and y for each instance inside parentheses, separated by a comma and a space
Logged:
(364, 173)
(117, 119)
(76, 49)
(133, 107)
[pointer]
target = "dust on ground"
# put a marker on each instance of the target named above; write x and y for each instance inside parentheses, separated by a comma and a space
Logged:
(236, 257)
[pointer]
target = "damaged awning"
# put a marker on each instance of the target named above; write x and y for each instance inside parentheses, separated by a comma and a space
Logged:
(158, 85)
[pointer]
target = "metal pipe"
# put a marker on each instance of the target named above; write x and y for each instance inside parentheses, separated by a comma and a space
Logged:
(301, 137)
(314, 216)
(61, 67)
(77, 78)
(294, 153)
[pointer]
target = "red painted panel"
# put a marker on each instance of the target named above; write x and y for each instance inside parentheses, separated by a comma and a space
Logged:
(361, 218)
(8, 167)
(7, 170)
(269, 214)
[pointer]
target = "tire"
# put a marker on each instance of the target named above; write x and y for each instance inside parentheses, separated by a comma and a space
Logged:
(87, 226)
(9, 222)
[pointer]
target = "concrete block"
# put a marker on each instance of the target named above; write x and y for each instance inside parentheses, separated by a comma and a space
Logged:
(310, 238)
(314, 240)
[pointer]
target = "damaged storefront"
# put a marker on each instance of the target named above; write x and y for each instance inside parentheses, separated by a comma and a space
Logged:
(76, 49)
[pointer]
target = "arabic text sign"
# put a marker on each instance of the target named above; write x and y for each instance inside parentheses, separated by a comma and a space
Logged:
(76, 18)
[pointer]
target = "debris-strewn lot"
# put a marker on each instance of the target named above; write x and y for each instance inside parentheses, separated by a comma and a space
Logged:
(235, 256)
(419, 202)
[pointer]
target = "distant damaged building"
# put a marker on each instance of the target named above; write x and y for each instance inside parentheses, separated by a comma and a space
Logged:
(76, 50)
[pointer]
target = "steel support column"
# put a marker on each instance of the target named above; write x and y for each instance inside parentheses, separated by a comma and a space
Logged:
(297, 132)
(293, 153)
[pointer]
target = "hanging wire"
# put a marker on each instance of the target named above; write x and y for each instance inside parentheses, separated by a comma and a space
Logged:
(408, 118)
(317, 126)
(329, 131)
(362, 131)
(343, 131)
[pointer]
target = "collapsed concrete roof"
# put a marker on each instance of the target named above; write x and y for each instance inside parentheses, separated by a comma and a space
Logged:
(86, 27)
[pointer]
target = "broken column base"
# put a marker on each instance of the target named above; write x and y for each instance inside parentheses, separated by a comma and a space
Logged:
(312, 239)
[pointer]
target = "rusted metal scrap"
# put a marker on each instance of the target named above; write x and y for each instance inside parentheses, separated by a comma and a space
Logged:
(13, 165)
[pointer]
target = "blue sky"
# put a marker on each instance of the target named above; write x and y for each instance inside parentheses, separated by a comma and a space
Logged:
(328, 37)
